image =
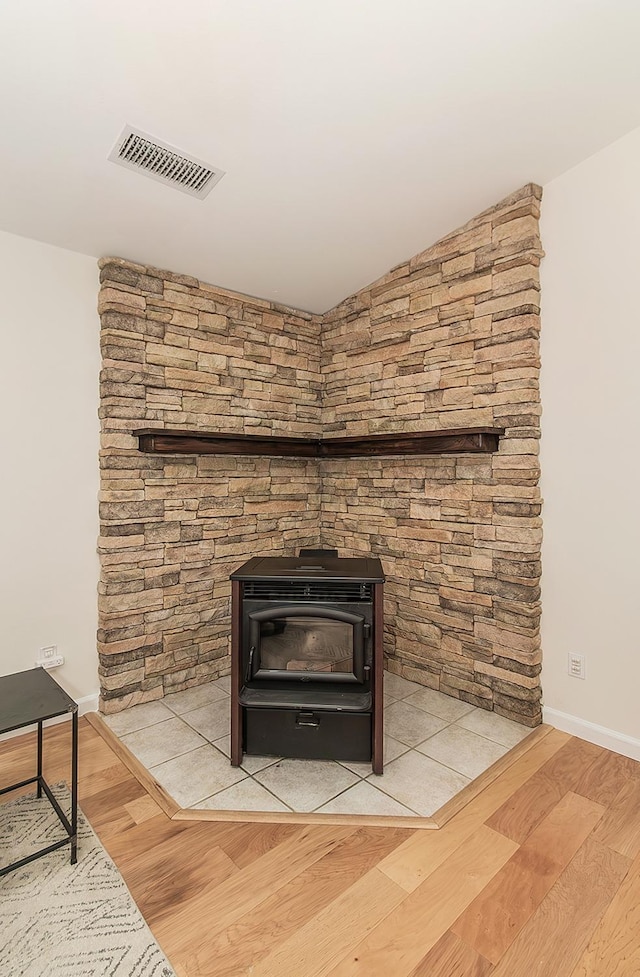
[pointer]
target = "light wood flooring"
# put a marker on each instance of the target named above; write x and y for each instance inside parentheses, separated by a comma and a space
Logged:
(538, 876)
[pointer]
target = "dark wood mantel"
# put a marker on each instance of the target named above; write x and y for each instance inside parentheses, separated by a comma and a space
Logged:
(457, 441)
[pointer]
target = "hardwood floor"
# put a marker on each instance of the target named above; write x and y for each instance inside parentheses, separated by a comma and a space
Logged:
(538, 876)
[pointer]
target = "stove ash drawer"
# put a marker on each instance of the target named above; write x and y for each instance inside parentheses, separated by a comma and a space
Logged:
(307, 734)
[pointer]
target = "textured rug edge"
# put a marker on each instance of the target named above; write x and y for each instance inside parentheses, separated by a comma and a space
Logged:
(59, 919)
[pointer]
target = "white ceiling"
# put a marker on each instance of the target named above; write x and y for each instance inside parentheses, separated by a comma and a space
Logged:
(353, 133)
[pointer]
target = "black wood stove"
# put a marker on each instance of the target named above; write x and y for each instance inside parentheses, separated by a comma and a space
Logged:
(306, 656)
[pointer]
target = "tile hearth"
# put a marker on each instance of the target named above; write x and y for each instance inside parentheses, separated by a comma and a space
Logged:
(434, 746)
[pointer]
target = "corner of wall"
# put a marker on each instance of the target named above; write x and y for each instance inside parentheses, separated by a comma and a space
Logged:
(447, 340)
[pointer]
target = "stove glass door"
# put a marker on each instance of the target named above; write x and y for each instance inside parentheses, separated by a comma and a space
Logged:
(306, 642)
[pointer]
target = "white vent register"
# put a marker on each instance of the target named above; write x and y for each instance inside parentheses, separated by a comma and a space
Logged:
(139, 151)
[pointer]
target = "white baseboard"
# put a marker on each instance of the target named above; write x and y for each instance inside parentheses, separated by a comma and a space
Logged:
(88, 703)
(600, 735)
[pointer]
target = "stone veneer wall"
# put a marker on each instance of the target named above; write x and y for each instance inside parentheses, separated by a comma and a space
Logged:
(181, 354)
(447, 340)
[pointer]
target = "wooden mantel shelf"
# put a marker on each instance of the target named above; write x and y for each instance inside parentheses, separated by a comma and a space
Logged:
(458, 441)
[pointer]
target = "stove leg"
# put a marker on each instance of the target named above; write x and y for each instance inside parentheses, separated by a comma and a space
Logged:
(236, 670)
(236, 734)
(378, 679)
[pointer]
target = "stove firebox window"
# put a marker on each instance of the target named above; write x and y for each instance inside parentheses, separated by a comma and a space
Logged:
(324, 644)
(306, 644)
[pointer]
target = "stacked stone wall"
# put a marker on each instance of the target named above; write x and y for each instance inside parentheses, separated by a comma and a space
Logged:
(180, 354)
(448, 340)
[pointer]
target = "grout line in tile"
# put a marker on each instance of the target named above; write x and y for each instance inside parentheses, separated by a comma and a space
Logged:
(247, 776)
(140, 728)
(224, 755)
(276, 759)
(344, 763)
(185, 720)
(364, 781)
(507, 749)
(257, 782)
(451, 722)
(192, 807)
(394, 798)
(175, 756)
(408, 806)
(416, 745)
(488, 738)
(459, 773)
(335, 796)
(250, 776)
(198, 799)
(195, 730)
(414, 750)
(275, 796)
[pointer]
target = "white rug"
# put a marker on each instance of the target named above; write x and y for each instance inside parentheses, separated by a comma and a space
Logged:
(63, 920)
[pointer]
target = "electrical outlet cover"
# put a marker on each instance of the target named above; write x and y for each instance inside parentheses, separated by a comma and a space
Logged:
(576, 666)
(54, 662)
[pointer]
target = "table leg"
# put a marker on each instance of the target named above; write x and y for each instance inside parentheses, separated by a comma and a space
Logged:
(39, 791)
(74, 788)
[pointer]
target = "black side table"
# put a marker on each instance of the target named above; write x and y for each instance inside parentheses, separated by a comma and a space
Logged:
(33, 697)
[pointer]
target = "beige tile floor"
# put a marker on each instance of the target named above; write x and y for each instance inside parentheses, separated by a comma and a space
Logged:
(434, 746)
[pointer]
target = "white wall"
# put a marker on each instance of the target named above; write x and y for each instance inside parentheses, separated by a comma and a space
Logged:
(591, 445)
(49, 363)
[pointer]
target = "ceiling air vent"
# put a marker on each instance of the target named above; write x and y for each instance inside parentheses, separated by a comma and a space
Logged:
(139, 151)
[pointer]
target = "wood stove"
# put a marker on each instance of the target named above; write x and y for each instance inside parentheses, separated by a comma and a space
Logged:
(306, 657)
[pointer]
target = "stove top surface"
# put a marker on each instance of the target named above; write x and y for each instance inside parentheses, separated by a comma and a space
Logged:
(367, 569)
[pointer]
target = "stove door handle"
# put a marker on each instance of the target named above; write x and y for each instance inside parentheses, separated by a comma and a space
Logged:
(368, 658)
(249, 673)
(307, 719)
